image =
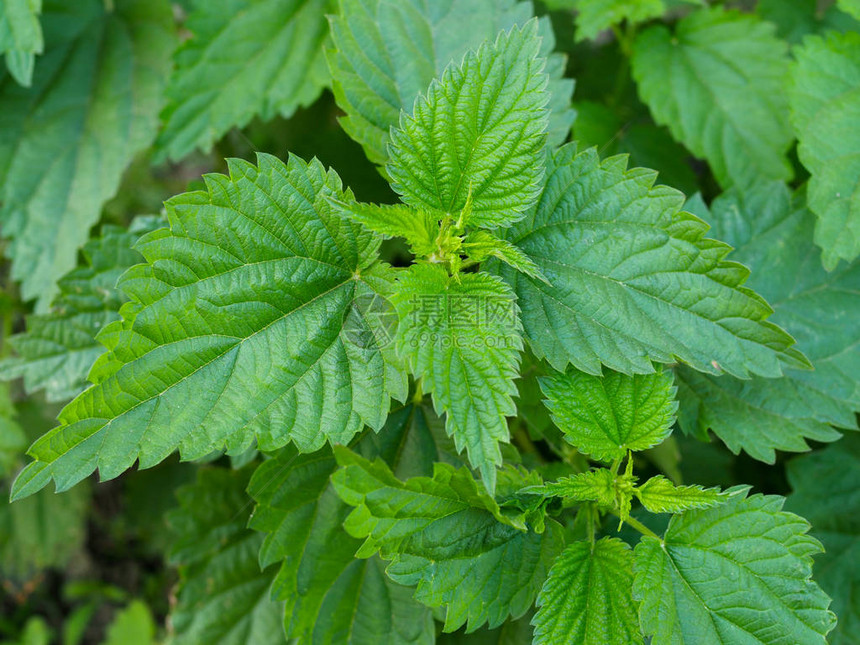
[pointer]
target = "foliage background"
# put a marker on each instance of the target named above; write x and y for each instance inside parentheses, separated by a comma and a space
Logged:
(117, 119)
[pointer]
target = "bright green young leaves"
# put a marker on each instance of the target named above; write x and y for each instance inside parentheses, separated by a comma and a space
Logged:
(21, 37)
(826, 487)
(327, 592)
(461, 336)
(386, 53)
(420, 228)
(245, 58)
(733, 116)
(659, 495)
(448, 537)
(67, 140)
(772, 232)
(57, 350)
(634, 279)
(223, 595)
(607, 416)
(587, 597)
(614, 492)
(478, 134)
(738, 572)
(825, 110)
(236, 332)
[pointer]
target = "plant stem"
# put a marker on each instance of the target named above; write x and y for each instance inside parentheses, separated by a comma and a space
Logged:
(639, 526)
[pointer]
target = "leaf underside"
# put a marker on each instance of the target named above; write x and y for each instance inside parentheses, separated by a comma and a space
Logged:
(67, 140)
(245, 58)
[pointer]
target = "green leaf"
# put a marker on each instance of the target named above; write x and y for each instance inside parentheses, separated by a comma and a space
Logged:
(388, 51)
(826, 487)
(850, 6)
(327, 592)
(66, 141)
(587, 597)
(480, 245)
(735, 573)
(223, 596)
(21, 37)
(461, 336)
(634, 279)
(418, 227)
(57, 350)
(132, 626)
(734, 116)
(497, 163)
(606, 416)
(235, 331)
(595, 16)
(825, 108)
(659, 495)
(245, 58)
(772, 233)
(446, 535)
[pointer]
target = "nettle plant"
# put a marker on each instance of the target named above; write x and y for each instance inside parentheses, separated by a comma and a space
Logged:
(369, 408)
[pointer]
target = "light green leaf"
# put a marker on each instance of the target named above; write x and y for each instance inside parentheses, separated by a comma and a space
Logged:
(772, 233)
(461, 336)
(587, 597)
(419, 227)
(734, 116)
(606, 416)
(235, 332)
(826, 487)
(388, 51)
(497, 163)
(66, 142)
(592, 486)
(245, 58)
(735, 573)
(223, 597)
(21, 37)
(59, 348)
(659, 495)
(132, 626)
(480, 245)
(825, 110)
(595, 16)
(850, 6)
(634, 279)
(446, 535)
(329, 594)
